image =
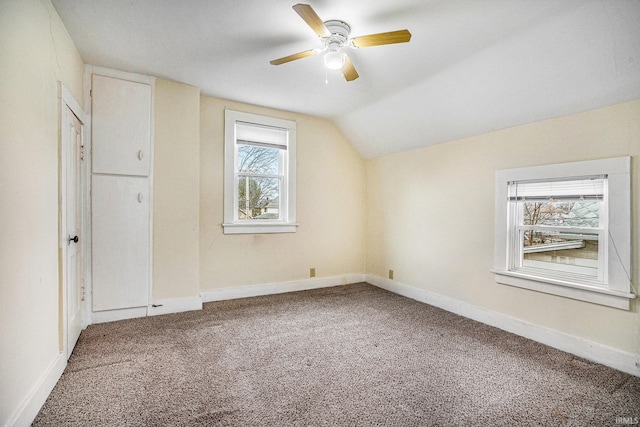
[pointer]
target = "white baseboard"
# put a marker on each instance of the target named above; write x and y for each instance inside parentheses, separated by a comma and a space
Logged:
(157, 308)
(31, 405)
(279, 288)
(174, 306)
(608, 356)
(114, 315)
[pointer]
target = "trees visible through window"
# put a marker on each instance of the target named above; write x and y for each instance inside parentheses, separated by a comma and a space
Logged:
(572, 249)
(259, 182)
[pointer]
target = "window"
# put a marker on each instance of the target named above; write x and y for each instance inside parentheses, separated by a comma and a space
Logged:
(565, 229)
(558, 228)
(259, 180)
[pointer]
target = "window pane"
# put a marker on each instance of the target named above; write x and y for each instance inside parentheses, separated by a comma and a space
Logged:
(258, 198)
(257, 159)
(561, 252)
(584, 214)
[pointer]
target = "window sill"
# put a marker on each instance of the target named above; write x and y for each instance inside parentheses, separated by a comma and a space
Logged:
(566, 289)
(259, 228)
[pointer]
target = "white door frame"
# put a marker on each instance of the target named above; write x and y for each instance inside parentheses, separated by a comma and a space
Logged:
(67, 101)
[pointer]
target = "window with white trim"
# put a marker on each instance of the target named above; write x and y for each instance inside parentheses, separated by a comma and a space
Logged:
(566, 230)
(259, 180)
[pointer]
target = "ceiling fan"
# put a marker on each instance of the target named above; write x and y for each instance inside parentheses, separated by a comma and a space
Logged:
(335, 36)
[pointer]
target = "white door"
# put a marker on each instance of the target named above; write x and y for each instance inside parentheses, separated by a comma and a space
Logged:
(121, 126)
(72, 140)
(120, 241)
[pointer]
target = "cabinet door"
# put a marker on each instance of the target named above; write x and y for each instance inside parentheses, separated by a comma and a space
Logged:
(121, 126)
(120, 241)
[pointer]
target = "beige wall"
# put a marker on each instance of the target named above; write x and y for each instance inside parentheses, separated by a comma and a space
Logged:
(35, 53)
(427, 214)
(330, 208)
(176, 191)
(430, 217)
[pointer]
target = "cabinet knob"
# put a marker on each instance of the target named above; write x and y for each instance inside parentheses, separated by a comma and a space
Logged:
(140, 154)
(140, 198)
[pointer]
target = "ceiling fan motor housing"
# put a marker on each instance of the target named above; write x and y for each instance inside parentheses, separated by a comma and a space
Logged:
(339, 34)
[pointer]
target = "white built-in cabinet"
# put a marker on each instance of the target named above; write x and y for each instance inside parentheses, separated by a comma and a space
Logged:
(121, 119)
(121, 147)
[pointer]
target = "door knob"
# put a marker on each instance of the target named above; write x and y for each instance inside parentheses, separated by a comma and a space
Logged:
(73, 239)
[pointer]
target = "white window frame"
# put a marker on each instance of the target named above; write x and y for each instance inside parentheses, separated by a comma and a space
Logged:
(614, 288)
(234, 225)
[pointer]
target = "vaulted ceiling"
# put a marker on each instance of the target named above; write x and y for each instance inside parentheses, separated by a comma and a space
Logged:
(471, 67)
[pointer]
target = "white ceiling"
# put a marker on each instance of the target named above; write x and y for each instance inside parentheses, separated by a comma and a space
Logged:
(471, 67)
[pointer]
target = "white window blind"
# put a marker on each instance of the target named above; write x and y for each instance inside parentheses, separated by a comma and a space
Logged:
(584, 188)
(260, 135)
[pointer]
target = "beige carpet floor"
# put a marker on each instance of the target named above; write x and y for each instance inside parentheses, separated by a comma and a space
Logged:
(352, 355)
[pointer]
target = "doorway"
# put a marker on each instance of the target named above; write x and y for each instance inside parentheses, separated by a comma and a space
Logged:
(71, 222)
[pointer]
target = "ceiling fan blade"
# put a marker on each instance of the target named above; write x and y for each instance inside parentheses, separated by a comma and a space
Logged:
(293, 57)
(400, 36)
(312, 19)
(348, 70)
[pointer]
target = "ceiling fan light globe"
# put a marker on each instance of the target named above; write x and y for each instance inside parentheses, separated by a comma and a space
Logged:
(334, 60)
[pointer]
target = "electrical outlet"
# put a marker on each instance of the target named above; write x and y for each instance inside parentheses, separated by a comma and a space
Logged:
(391, 274)
(312, 272)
